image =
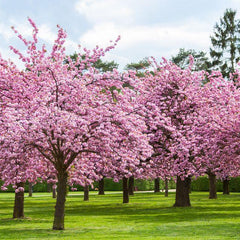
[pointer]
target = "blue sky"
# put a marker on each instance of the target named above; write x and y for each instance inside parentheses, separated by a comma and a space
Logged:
(147, 27)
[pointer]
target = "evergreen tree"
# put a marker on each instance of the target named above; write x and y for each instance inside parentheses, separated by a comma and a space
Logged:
(102, 66)
(139, 67)
(201, 61)
(105, 66)
(225, 50)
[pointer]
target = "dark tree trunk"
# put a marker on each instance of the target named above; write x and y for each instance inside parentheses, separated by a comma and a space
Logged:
(58, 223)
(182, 192)
(54, 191)
(86, 193)
(125, 190)
(166, 187)
(131, 186)
(226, 187)
(18, 210)
(212, 186)
(157, 185)
(30, 189)
(101, 187)
(49, 187)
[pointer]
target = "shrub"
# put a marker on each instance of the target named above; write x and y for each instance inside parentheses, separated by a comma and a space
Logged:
(202, 184)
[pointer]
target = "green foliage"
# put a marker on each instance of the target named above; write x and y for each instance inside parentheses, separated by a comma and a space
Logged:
(143, 185)
(202, 184)
(102, 66)
(235, 184)
(199, 184)
(10, 188)
(147, 216)
(109, 185)
(140, 67)
(139, 184)
(39, 187)
(225, 51)
(201, 61)
(142, 64)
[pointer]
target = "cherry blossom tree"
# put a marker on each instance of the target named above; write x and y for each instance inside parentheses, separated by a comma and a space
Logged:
(66, 111)
(215, 130)
(173, 92)
(18, 163)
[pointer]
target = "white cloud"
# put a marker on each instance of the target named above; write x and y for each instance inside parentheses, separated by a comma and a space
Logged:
(6, 32)
(130, 36)
(25, 29)
(234, 3)
(46, 34)
(143, 41)
(104, 10)
(152, 27)
(9, 55)
(121, 60)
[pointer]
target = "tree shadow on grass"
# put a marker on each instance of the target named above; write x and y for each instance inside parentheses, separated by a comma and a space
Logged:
(152, 209)
(155, 213)
(163, 231)
(35, 233)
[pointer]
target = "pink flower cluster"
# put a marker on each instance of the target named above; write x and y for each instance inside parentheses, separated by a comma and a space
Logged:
(61, 115)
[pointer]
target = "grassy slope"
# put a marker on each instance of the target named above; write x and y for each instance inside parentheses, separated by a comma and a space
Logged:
(147, 216)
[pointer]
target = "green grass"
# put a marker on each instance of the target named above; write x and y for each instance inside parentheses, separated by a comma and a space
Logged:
(147, 216)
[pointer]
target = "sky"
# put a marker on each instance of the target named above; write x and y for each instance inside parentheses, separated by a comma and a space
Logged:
(157, 28)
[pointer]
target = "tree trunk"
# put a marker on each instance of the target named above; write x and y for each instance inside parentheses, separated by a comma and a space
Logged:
(226, 186)
(212, 186)
(157, 185)
(86, 193)
(182, 192)
(49, 187)
(166, 187)
(54, 191)
(131, 186)
(30, 189)
(18, 210)
(58, 223)
(125, 190)
(101, 187)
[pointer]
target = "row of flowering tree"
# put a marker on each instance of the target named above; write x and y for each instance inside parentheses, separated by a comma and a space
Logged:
(203, 109)
(63, 120)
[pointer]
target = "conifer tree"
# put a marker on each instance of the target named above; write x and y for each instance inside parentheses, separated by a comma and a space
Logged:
(225, 50)
(140, 67)
(201, 61)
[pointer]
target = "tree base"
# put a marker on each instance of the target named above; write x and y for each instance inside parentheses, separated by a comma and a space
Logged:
(18, 210)
(182, 192)
(212, 186)
(86, 193)
(125, 190)
(101, 187)
(226, 187)
(58, 228)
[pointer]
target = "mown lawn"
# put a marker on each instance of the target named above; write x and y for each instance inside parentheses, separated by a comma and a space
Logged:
(147, 216)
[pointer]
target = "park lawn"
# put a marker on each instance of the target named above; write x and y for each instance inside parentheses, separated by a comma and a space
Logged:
(147, 216)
